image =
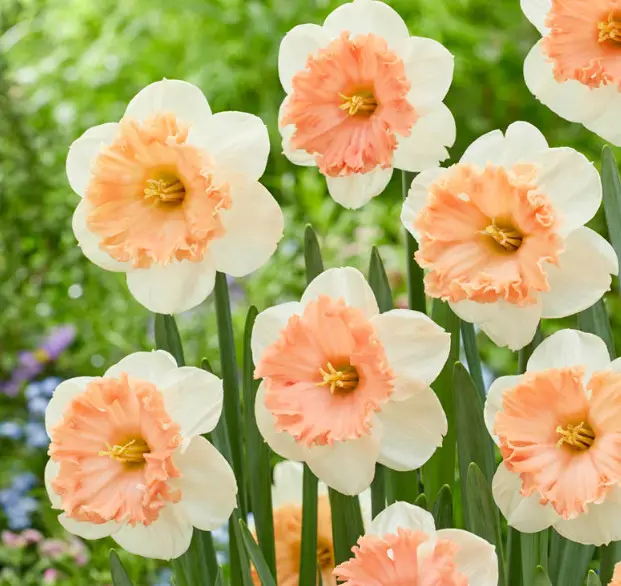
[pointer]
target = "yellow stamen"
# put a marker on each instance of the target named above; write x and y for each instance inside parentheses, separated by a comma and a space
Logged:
(509, 238)
(363, 102)
(130, 453)
(166, 189)
(345, 378)
(610, 30)
(580, 437)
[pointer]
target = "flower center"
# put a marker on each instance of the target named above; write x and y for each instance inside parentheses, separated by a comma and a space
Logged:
(362, 103)
(41, 355)
(578, 437)
(610, 30)
(344, 378)
(130, 453)
(508, 237)
(165, 188)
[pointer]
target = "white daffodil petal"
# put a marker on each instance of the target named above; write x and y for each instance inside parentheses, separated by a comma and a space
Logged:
(571, 99)
(281, 442)
(207, 483)
(168, 537)
(88, 530)
(184, 100)
(475, 313)
(426, 146)
(567, 348)
(488, 148)
(368, 16)
(513, 326)
(493, 402)
(600, 525)
(344, 283)
(348, 466)
(522, 141)
(174, 288)
(89, 242)
(571, 183)
(296, 156)
(193, 398)
(353, 191)
(583, 275)
(83, 152)
(412, 430)
(51, 472)
(405, 516)
(297, 46)
(147, 366)
(476, 558)
(429, 68)
(536, 11)
(526, 514)
(254, 225)
(269, 324)
(606, 122)
(61, 399)
(236, 141)
(417, 197)
(288, 483)
(416, 347)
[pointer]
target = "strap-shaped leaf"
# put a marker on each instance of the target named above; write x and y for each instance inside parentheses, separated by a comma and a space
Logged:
(258, 561)
(119, 576)
(443, 508)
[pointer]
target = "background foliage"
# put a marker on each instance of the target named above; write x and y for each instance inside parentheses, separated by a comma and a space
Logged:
(66, 65)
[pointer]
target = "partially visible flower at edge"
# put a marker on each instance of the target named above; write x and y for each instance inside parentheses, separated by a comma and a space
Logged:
(616, 577)
(403, 532)
(574, 69)
(558, 427)
(287, 507)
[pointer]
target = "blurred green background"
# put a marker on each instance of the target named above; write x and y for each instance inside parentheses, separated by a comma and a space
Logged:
(66, 65)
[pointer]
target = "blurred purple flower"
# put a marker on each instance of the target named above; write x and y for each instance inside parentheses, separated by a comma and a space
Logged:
(31, 364)
(78, 551)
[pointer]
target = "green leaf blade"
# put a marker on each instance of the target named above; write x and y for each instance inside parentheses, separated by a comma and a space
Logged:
(258, 561)
(308, 549)
(347, 524)
(119, 576)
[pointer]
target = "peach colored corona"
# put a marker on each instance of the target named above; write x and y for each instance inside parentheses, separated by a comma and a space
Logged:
(403, 548)
(171, 195)
(364, 97)
(502, 235)
(559, 431)
(287, 504)
(345, 387)
(575, 69)
(127, 458)
(616, 578)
